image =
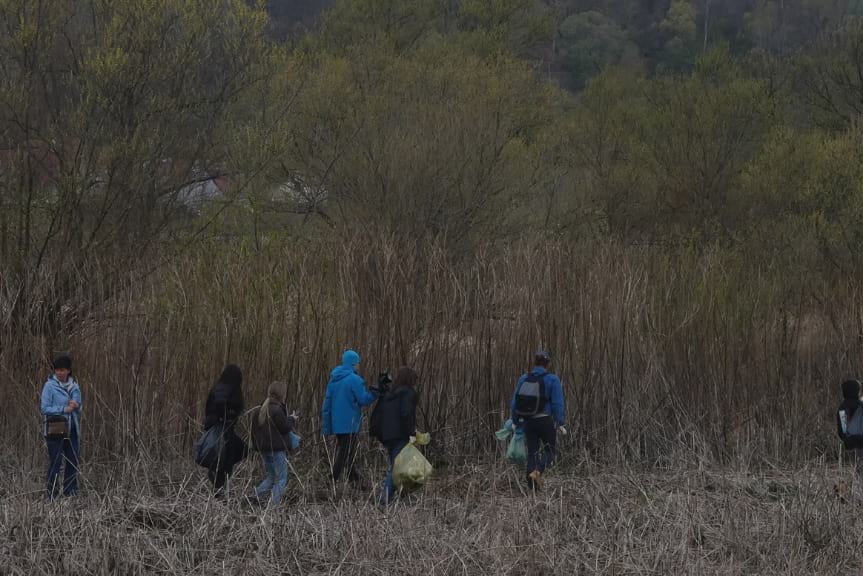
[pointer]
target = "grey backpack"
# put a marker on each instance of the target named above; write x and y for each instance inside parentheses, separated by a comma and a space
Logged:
(531, 398)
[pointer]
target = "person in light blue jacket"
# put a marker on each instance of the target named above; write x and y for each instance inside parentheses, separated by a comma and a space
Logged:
(61, 411)
(538, 409)
(341, 414)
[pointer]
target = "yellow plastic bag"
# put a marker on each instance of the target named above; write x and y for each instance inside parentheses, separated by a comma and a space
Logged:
(411, 469)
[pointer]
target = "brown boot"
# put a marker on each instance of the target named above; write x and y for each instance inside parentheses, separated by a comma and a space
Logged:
(535, 479)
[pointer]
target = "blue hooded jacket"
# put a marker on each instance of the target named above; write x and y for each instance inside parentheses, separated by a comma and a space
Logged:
(554, 405)
(346, 394)
(55, 398)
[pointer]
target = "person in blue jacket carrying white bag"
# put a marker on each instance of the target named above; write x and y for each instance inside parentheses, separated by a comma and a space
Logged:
(61, 410)
(341, 414)
(538, 409)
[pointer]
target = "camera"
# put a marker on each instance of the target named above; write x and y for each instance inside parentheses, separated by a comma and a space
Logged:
(384, 381)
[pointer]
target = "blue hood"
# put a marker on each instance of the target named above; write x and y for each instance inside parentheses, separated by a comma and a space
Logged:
(341, 372)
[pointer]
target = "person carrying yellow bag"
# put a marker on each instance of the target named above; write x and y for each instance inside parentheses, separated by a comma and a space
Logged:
(393, 422)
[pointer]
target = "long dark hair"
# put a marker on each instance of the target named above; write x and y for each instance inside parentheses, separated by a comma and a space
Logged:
(232, 377)
(406, 376)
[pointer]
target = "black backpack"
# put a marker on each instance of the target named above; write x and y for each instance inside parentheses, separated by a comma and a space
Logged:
(530, 399)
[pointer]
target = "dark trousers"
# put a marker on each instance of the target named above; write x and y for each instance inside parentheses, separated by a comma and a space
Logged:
(218, 475)
(541, 437)
(234, 452)
(62, 450)
(346, 451)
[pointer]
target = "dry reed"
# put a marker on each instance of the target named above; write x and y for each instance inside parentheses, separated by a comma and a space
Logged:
(663, 358)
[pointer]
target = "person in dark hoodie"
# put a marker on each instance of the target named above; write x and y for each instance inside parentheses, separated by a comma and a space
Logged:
(271, 429)
(341, 413)
(398, 422)
(849, 422)
(61, 411)
(225, 406)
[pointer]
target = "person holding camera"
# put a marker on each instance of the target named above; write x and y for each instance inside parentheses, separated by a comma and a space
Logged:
(341, 414)
(394, 421)
(61, 410)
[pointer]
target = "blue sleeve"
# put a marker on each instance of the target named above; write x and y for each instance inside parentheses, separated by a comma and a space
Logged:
(326, 413)
(361, 393)
(558, 408)
(76, 396)
(46, 406)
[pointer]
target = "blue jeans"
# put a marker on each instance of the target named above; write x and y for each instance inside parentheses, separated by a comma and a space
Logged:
(63, 450)
(393, 448)
(276, 464)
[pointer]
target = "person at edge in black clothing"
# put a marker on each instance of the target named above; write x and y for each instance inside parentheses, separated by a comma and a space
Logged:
(849, 423)
(398, 423)
(225, 405)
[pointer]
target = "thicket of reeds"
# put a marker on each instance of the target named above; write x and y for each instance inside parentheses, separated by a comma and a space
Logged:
(666, 357)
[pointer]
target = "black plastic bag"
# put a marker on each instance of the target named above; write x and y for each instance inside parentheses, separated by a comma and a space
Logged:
(210, 447)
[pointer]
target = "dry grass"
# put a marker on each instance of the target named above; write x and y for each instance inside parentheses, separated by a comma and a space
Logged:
(472, 519)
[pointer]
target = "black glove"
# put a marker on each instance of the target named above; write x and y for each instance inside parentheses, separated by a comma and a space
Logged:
(384, 381)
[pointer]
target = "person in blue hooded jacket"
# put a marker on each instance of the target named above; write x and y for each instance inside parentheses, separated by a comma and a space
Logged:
(61, 410)
(538, 410)
(341, 413)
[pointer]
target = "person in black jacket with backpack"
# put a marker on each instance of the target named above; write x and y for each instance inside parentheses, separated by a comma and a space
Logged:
(395, 422)
(225, 406)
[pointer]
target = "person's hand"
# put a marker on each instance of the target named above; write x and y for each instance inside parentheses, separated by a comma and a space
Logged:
(384, 379)
(74, 405)
(413, 439)
(514, 426)
(562, 430)
(68, 409)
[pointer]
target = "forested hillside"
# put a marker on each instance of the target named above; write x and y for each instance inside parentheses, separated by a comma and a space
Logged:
(579, 38)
